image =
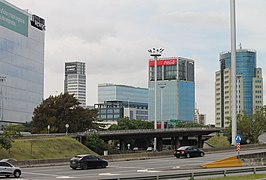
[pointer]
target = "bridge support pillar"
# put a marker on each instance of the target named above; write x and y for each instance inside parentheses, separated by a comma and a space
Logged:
(200, 141)
(175, 143)
(185, 141)
(159, 144)
(122, 145)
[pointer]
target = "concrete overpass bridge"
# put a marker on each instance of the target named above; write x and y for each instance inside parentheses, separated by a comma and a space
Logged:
(178, 136)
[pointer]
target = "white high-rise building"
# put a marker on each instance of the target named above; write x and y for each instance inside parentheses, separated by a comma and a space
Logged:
(75, 81)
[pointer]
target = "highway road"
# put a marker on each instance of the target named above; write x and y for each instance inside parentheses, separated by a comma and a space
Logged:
(167, 165)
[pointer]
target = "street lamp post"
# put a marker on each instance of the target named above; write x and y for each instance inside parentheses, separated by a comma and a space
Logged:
(67, 126)
(162, 86)
(2, 79)
(128, 112)
(155, 52)
(233, 69)
(48, 128)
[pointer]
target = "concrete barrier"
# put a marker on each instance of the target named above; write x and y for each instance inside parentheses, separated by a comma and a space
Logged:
(253, 159)
(227, 162)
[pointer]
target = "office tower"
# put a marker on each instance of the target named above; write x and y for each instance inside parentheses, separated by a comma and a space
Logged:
(199, 118)
(249, 86)
(22, 37)
(175, 90)
(75, 81)
(117, 101)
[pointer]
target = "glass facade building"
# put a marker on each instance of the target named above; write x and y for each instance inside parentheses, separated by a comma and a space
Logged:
(118, 101)
(75, 81)
(22, 37)
(249, 85)
(175, 89)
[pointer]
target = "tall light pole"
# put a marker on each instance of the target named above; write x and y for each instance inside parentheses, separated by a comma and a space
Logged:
(162, 86)
(128, 108)
(67, 126)
(2, 79)
(233, 69)
(155, 52)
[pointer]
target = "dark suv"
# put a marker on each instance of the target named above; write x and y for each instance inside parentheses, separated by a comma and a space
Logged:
(87, 161)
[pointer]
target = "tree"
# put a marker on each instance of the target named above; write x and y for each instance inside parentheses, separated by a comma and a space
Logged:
(250, 126)
(13, 131)
(10, 132)
(126, 123)
(57, 111)
(95, 143)
(5, 142)
(188, 125)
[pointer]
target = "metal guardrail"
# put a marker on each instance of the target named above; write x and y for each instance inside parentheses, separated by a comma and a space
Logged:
(253, 170)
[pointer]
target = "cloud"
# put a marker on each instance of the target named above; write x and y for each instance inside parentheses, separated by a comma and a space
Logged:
(112, 38)
(184, 18)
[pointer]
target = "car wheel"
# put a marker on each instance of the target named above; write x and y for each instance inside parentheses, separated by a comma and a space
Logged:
(17, 174)
(84, 166)
(201, 154)
(104, 165)
(188, 155)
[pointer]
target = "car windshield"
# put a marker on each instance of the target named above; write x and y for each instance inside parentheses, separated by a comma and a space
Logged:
(79, 156)
(182, 148)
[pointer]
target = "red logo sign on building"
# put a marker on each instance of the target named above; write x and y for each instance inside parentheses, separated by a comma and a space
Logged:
(163, 62)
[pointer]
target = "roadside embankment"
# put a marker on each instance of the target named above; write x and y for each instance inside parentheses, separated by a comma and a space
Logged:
(247, 160)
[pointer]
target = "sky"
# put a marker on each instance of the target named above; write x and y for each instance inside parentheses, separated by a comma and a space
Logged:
(112, 37)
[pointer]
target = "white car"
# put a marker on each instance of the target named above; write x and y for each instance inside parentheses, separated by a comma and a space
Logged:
(7, 169)
(135, 149)
(149, 149)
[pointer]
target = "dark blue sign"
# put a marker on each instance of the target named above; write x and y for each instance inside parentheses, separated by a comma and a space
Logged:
(238, 138)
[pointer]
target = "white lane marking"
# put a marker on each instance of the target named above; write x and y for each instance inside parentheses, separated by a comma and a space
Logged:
(108, 174)
(176, 167)
(63, 177)
(124, 167)
(41, 174)
(147, 170)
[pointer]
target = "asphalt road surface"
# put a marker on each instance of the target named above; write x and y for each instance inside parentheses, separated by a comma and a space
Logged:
(159, 166)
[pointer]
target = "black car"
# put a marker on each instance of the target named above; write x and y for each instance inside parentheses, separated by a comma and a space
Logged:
(87, 161)
(188, 151)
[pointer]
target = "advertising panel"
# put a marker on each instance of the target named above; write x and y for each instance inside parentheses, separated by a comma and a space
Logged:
(163, 62)
(13, 19)
(71, 68)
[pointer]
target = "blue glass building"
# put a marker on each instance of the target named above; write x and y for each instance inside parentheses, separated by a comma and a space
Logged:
(175, 90)
(249, 85)
(118, 101)
(21, 63)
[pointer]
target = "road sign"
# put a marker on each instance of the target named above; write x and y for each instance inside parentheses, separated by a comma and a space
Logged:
(238, 147)
(238, 138)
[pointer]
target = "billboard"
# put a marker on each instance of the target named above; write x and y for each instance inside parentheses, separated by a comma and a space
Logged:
(13, 19)
(71, 68)
(163, 62)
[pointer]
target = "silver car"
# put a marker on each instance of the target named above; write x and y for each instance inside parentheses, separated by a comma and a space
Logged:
(7, 169)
